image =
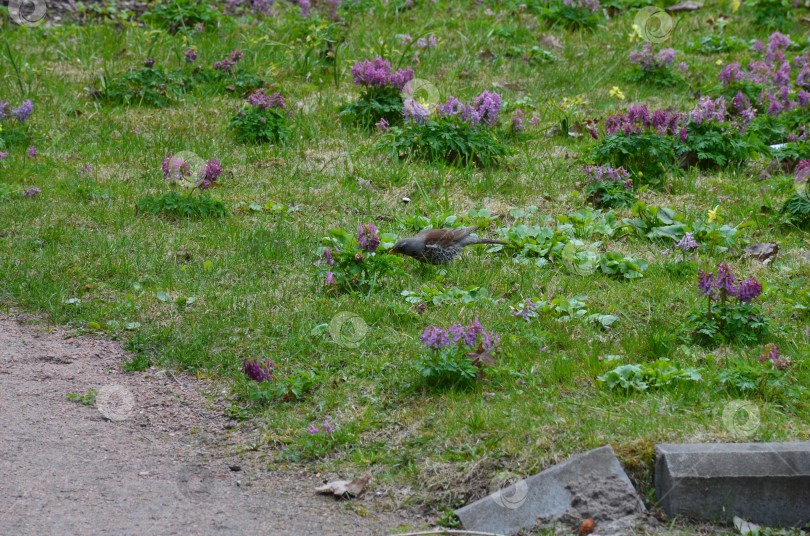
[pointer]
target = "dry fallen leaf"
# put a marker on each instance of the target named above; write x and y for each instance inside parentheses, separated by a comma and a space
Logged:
(342, 488)
(550, 41)
(481, 358)
(761, 251)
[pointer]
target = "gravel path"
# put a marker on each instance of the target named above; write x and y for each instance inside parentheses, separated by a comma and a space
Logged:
(152, 456)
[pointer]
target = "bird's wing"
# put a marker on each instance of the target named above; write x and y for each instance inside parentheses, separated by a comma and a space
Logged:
(445, 237)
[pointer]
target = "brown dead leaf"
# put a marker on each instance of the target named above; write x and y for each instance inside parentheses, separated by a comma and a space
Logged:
(481, 358)
(343, 488)
(761, 251)
(686, 5)
(549, 40)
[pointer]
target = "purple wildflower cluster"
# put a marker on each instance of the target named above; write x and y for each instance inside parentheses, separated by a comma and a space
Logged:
(591, 5)
(427, 42)
(32, 192)
(484, 108)
(21, 113)
(436, 337)
(209, 174)
(229, 64)
(413, 112)
(260, 99)
(517, 121)
(261, 7)
(770, 354)
(259, 371)
(708, 110)
(191, 55)
(802, 171)
(638, 119)
(528, 310)
(687, 243)
(722, 283)
(774, 75)
(607, 173)
(32, 151)
(313, 430)
(647, 60)
(378, 73)
(367, 237)
(175, 168)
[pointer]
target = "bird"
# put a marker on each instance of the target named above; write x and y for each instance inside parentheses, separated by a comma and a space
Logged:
(440, 246)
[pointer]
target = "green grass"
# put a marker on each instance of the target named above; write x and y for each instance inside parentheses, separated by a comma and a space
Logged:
(253, 275)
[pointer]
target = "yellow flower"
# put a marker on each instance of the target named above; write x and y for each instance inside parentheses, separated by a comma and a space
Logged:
(735, 5)
(635, 34)
(719, 62)
(713, 215)
(616, 92)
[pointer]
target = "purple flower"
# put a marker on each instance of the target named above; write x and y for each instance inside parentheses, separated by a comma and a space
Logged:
(405, 39)
(24, 111)
(149, 63)
(330, 278)
(328, 428)
(367, 237)
(517, 121)
(486, 106)
(379, 74)
(87, 169)
(435, 337)
(770, 353)
(687, 243)
(260, 99)
(191, 55)
(258, 371)
(527, 310)
(605, 174)
(730, 74)
(175, 168)
(32, 192)
(707, 109)
(748, 290)
(236, 55)
(413, 112)
(209, 174)
(3, 155)
(3, 110)
(225, 65)
(312, 429)
(32, 152)
(305, 6)
(327, 256)
(683, 135)
(382, 125)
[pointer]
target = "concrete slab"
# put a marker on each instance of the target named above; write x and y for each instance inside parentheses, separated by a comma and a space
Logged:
(768, 483)
(547, 495)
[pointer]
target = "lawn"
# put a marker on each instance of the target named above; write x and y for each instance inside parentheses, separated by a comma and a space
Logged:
(605, 332)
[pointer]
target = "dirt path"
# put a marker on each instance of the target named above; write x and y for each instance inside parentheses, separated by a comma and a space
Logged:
(167, 462)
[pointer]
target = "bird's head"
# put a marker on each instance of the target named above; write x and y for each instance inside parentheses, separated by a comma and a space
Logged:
(413, 247)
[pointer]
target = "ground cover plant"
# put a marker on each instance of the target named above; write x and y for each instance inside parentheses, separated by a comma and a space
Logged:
(219, 186)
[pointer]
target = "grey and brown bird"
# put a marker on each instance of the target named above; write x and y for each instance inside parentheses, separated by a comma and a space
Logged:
(440, 246)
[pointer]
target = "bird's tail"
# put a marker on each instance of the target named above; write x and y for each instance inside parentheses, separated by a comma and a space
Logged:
(488, 241)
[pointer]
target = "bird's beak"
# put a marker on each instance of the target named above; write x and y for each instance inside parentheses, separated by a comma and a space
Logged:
(390, 251)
